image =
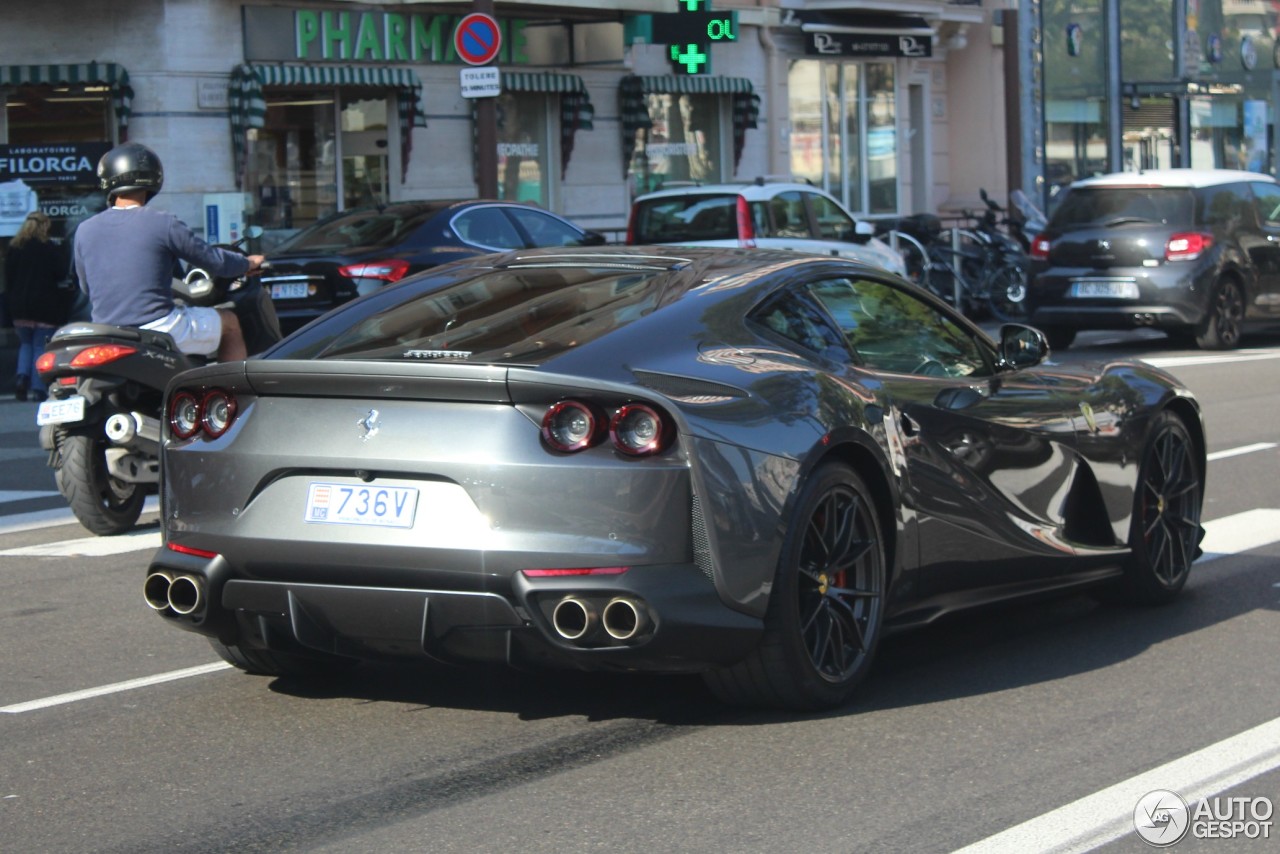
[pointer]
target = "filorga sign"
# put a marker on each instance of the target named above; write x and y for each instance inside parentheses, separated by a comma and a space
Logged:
(56, 163)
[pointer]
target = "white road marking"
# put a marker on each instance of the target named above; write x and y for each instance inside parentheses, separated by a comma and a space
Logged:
(7, 495)
(1243, 449)
(90, 546)
(114, 688)
(1240, 532)
(1222, 359)
(1105, 816)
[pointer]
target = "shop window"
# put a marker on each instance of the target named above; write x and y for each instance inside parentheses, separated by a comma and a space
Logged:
(525, 148)
(844, 131)
(684, 142)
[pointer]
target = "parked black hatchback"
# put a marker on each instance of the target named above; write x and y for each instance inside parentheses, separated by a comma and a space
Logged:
(358, 251)
(1195, 253)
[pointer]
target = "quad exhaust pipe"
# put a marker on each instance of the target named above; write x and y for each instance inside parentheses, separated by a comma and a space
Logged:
(623, 619)
(181, 594)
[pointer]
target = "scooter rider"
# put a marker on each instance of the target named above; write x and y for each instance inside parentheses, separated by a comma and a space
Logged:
(125, 258)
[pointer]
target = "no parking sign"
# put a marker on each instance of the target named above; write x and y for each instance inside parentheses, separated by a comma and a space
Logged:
(477, 39)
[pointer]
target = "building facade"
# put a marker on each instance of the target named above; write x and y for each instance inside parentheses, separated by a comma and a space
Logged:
(278, 113)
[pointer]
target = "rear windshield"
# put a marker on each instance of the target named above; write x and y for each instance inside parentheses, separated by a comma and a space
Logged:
(1085, 207)
(512, 315)
(371, 228)
(677, 219)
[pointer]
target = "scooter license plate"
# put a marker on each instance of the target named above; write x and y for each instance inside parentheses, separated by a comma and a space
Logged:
(60, 411)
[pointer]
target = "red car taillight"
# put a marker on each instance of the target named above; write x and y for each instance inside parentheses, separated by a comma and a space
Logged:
(636, 429)
(1187, 246)
(746, 228)
(631, 228)
(391, 270)
(101, 354)
(190, 550)
(214, 411)
(1040, 248)
(557, 573)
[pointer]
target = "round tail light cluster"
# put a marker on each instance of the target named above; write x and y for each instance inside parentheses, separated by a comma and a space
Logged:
(212, 412)
(636, 429)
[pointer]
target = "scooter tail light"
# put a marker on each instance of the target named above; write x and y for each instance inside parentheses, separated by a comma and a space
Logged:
(572, 425)
(45, 363)
(391, 270)
(746, 227)
(1187, 246)
(639, 430)
(101, 354)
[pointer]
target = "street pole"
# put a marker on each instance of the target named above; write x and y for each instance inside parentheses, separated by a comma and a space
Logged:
(486, 131)
(1115, 93)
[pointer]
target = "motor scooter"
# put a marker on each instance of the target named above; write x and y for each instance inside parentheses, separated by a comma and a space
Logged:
(101, 422)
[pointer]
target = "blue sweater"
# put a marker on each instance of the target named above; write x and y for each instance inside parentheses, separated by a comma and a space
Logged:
(125, 259)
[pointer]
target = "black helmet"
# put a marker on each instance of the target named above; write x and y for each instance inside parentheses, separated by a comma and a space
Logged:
(129, 167)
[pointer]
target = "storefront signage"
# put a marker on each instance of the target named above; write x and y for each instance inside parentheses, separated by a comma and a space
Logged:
(68, 163)
(477, 39)
(690, 31)
(276, 34)
(860, 44)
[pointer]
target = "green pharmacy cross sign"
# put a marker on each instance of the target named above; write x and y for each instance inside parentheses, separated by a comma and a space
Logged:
(690, 32)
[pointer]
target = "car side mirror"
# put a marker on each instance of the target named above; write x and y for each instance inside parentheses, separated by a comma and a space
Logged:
(863, 231)
(1022, 346)
(594, 238)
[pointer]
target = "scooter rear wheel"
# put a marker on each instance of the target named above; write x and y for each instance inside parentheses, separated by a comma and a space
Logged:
(103, 504)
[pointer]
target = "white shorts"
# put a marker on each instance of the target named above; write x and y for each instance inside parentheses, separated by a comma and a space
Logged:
(193, 328)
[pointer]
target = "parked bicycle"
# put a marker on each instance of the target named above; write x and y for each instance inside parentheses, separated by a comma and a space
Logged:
(981, 270)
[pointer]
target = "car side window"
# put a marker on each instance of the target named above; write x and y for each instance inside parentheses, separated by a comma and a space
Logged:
(487, 228)
(890, 329)
(798, 320)
(788, 215)
(1228, 205)
(1266, 199)
(833, 223)
(545, 230)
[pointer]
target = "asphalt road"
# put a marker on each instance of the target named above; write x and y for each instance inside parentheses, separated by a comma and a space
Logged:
(1022, 729)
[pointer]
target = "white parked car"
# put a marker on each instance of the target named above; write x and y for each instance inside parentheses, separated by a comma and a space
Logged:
(768, 215)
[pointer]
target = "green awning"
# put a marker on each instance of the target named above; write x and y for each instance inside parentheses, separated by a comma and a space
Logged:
(89, 74)
(635, 114)
(576, 110)
(248, 106)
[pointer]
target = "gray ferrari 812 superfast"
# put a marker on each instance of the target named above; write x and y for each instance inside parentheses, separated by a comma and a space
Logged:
(746, 464)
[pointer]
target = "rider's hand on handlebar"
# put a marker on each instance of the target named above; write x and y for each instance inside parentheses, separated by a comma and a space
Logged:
(255, 264)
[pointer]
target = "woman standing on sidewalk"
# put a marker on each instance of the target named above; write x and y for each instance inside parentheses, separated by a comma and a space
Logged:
(33, 268)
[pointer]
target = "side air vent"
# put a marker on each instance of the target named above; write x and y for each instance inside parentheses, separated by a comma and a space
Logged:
(701, 542)
(688, 389)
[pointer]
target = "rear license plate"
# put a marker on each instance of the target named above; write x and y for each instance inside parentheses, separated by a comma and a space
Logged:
(352, 504)
(1109, 288)
(60, 411)
(289, 290)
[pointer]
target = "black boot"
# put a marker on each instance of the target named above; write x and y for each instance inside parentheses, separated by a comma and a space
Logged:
(21, 383)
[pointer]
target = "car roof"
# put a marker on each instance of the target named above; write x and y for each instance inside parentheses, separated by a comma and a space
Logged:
(752, 191)
(1189, 178)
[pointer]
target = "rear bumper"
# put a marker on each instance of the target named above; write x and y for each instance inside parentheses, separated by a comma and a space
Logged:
(684, 626)
(1113, 317)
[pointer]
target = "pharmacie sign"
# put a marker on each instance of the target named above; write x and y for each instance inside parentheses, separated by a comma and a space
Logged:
(56, 163)
(272, 34)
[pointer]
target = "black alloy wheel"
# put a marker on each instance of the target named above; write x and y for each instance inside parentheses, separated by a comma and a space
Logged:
(825, 612)
(1224, 325)
(1165, 532)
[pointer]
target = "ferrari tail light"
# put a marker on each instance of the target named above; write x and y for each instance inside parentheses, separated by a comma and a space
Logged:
(586, 570)
(101, 354)
(746, 227)
(214, 411)
(1040, 248)
(391, 270)
(217, 411)
(1187, 246)
(640, 430)
(571, 425)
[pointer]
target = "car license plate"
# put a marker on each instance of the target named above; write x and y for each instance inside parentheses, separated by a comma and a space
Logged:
(289, 290)
(1109, 288)
(60, 411)
(361, 504)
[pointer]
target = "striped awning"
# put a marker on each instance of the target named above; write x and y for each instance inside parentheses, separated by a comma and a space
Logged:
(635, 113)
(88, 73)
(248, 105)
(576, 110)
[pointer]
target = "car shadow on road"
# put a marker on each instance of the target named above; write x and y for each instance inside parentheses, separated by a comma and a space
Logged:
(963, 655)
